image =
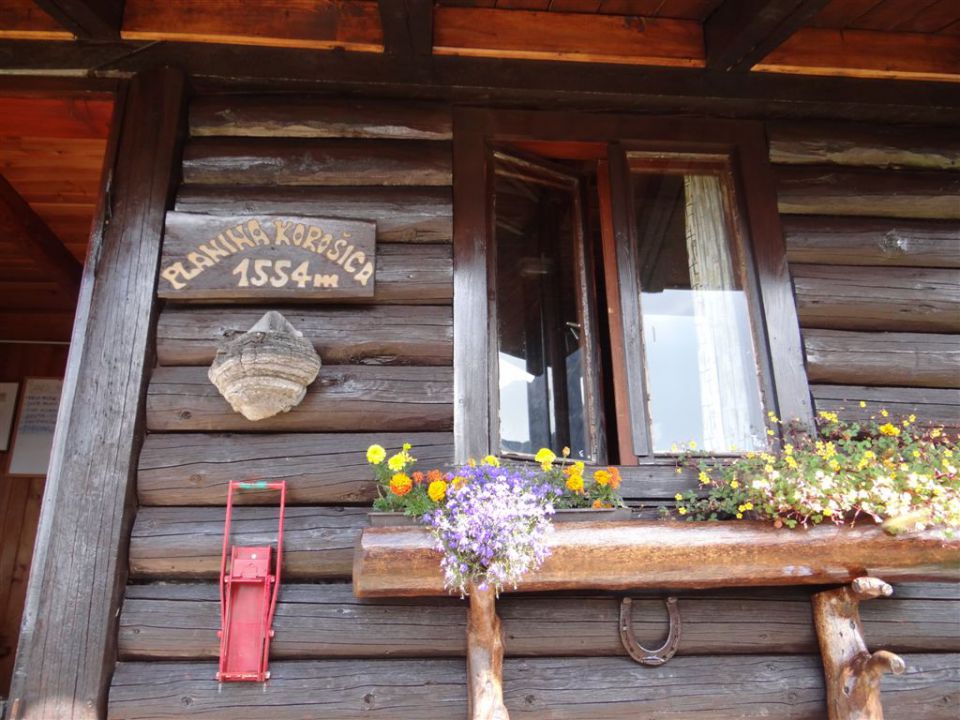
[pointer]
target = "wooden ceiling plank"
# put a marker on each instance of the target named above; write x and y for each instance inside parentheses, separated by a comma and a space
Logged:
(742, 32)
(87, 19)
(68, 117)
(888, 14)
(840, 13)
(23, 20)
(869, 54)
(581, 6)
(36, 239)
(407, 27)
(475, 32)
(935, 18)
(312, 24)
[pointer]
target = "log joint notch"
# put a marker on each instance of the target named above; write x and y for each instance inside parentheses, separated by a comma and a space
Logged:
(851, 671)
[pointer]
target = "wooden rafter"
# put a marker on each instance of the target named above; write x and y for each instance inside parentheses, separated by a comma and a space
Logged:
(741, 32)
(35, 239)
(88, 19)
(407, 27)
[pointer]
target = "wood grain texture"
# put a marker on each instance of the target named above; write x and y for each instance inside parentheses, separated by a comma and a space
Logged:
(88, 19)
(480, 32)
(855, 145)
(866, 298)
(350, 25)
(243, 161)
(317, 117)
(179, 543)
(817, 190)
(743, 687)
(905, 359)
(374, 335)
(67, 642)
(414, 214)
(405, 274)
(24, 20)
(817, 239)
(343, 398)
(179, 622)
(402, 562)
(931, 406)
(194, 469)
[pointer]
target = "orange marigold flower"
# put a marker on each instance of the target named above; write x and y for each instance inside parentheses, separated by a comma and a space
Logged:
(602, 477)
(598, 505)
(614, 477)
(574, 469)
(434, 475)
(418, 477)
(400, 484)
(575, 484)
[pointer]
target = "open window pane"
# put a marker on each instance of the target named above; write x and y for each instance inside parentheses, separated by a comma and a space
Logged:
(541, 352)
(700, 362)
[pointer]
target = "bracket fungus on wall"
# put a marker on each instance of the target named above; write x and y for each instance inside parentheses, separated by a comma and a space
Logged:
(266, 370)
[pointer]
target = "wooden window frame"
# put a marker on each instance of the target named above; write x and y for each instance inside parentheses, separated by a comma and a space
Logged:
(587, 136)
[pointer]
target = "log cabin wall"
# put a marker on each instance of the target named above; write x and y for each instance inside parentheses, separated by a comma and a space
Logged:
(387, 376)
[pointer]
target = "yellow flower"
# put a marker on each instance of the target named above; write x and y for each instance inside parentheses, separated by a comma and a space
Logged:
(739, 516)
(862, 404)
(828, 416)
(575, 469)
(883, 412)
(400, 484)
(771, 433)
(396, 462)
(693, 444)
(407, 446)
(936, 432)
(545, 457)
(575, 484)
(734, 484)
(889, 429)
(471, 462)
(792, 462)
(678, 497)
(912, 418)
(491, 460)
(437, 490)
(703, 478)
(458, 481)
(827, 511)
(682, 511)
(375, 454)
(748, 506)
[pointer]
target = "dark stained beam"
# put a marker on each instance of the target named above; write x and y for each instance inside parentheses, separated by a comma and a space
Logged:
(88, 19)
(407, 27)
(36, 240)
(740, 33)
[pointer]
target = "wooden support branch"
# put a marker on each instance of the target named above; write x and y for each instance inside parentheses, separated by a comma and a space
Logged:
(484, 657)
(852, 672)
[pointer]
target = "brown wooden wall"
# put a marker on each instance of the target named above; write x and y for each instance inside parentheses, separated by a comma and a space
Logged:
(19, 503)
(387, 367)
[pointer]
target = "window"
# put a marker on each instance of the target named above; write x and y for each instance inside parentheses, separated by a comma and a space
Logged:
(624, 303)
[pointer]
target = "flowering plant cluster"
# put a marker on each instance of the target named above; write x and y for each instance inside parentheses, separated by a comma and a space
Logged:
(572, 489)
(400, 488)
(896, 471)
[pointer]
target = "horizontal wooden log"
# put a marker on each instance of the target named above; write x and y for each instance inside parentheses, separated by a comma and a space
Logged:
(931, 406)
(373, 335)
(818, 190)
(185, 543)
(857, 145)
(402, 562)
(817, 239)
(317, 117)
(179, 622)
(866, 298)
(721, 688)
(343, 398)
(402, 214)
(194, 469)
(907, 359)
(317, 162)
(405, 274)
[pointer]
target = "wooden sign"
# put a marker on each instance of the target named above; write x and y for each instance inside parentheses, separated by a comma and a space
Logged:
(267, 257)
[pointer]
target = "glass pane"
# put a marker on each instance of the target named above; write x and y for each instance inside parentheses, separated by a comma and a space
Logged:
(701, 367)
(538, 315)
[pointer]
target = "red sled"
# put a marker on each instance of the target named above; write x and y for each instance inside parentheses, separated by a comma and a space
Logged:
(249, 586)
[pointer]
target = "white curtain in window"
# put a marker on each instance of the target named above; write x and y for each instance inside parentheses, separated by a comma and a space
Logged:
(727, 394)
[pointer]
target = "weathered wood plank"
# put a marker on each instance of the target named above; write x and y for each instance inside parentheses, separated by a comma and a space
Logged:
(742, 687)
(931, 406)
(818, 190)
(906, 359)
(344, 398)
(170, 621)
(367, 335)
(169, 543)
(856, 145)
(868, 298)
(403, 562)
(405, 273)
(194, 469)
(402, 214)
(817, 239)
(68, 636)
(316, 162)
(317, 117)
(88, 19)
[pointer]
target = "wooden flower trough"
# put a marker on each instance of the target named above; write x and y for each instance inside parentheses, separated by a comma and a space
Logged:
(402, 562)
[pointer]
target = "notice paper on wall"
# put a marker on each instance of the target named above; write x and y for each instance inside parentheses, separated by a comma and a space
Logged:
(35, 425)
(8, 403)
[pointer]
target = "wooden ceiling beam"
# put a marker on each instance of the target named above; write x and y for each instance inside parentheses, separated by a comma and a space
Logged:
(36, 240)
(407, 27)
(739, 33)
(87, 19)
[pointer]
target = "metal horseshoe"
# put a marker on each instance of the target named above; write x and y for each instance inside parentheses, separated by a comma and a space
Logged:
(637, 651)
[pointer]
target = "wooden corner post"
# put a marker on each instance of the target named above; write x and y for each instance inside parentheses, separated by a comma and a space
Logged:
(66, 653)
(851, 671)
